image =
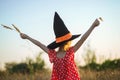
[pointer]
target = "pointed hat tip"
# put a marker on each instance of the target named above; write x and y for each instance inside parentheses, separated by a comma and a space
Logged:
(56, 13)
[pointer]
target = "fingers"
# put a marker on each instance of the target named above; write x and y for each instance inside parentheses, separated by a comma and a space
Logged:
(23, 36)
(100, 18)
(96, 23)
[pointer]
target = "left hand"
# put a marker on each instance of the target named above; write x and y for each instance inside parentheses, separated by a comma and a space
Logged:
(96, 23)
(23, 36)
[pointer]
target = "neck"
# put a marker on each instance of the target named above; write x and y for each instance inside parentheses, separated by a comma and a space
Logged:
(61, 49)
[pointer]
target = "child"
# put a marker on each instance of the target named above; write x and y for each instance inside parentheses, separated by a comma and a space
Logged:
(64, 67)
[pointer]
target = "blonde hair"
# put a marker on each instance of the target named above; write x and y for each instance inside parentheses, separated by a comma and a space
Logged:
(67, 45)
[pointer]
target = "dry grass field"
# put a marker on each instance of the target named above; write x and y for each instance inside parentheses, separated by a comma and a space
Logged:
(85, 74)
(100, 75)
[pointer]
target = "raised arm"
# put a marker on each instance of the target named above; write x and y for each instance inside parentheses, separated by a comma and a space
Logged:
(42, 46)
(85, 36)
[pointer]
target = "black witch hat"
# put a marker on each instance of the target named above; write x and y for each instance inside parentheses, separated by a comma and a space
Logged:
(61, 32)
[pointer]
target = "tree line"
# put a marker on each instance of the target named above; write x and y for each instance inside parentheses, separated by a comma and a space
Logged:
(31, 66)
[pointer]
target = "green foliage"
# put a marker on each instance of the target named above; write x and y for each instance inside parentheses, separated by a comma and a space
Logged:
(29, 66)
(110, 64)
(9, 66)
(39, 63)
(90, 60)
(20, 68)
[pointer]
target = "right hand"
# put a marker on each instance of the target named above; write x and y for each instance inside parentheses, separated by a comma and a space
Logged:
(23, 36)
(96, 23)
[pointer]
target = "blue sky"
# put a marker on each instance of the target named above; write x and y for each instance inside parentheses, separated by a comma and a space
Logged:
(35, 18)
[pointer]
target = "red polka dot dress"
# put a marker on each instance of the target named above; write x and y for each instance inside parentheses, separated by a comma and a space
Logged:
(63, 68)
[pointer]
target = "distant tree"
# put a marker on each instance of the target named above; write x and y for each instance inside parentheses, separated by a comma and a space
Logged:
(90, 60)
(20, 68)
(29, 66)
(9, 66)
(39, 63)
(89, 55)
(111, 64)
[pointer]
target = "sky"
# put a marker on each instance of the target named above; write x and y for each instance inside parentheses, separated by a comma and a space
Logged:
(35, 18)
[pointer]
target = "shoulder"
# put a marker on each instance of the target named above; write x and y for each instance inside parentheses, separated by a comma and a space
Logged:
(71, 49)
(51, 51)
(51, 54)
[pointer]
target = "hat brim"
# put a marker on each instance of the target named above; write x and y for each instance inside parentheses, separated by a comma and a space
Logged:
(54, 45)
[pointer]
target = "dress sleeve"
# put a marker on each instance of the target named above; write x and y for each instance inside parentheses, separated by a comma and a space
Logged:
(51, 55)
